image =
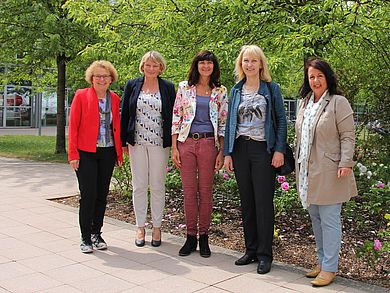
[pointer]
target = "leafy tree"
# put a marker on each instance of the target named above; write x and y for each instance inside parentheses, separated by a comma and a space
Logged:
(37, 35)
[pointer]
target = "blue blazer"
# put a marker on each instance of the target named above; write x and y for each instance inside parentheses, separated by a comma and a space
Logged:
(274, 136)
(129, 106)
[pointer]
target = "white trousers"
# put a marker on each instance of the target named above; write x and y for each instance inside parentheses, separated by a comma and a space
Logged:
(148, 169)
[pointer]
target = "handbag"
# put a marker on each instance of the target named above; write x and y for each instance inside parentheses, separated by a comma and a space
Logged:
(289, 161)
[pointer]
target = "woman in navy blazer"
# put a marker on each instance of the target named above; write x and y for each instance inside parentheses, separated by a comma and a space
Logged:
(146, 120)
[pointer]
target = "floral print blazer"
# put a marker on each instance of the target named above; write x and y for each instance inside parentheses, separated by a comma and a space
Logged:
(185, 107)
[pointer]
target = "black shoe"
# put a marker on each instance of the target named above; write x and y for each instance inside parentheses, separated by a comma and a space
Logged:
(156, 243)
(246, 259)
(204, 247)
(98, 242)
(189, 246)
(264, 266)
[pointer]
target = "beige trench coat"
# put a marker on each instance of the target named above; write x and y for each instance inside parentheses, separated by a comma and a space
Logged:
(332, 146)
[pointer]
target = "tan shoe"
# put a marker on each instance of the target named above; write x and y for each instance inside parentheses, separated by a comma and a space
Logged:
(323, 279)
(314, 272)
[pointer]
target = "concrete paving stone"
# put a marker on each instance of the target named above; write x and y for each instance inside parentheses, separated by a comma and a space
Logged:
(175, 284)
(212, 289)
(6, 207)
(29, 205)
(62, 245)
(174, 266)
(140, 274)
(20, 230)
(229, 266)
(284, 290)
(13, 269)
(46, 262)
(208, 275)
(70, 232)
(277, 276)
(303, 285)
(6, 223)
(245, 284)
(40, 238)
(29, 283)
(143, 255)
(110, 263)
(11, 242)
(73, 273)
(359, 287)
(23, 252)
(138, 289)
(105, 283)
(62, 289)
(4, 259)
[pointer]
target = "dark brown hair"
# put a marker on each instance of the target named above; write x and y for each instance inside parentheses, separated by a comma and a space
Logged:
(325, 68)
(193, 74)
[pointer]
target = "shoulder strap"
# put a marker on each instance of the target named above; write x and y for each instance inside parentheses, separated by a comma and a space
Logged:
(273, 108)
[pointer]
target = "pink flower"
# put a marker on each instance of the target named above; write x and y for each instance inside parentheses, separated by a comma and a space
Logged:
(226, 176)
(380, 185)
(168, 168)
(377, 244)
(285, 186)
(281, 179)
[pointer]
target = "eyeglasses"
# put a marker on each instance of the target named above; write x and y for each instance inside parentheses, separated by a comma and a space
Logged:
(106, 77)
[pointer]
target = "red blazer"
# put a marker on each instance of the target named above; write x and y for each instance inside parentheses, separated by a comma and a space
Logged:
(83, 127)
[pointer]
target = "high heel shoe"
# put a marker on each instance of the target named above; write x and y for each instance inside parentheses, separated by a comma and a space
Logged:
(140, 237)
(155, 232)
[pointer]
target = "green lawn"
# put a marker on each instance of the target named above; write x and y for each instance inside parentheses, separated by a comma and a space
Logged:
(39, 148)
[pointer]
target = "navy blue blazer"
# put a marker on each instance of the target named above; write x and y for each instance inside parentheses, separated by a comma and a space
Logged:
(129, 106)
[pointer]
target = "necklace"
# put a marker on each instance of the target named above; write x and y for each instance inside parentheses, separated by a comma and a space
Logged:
(205, 89)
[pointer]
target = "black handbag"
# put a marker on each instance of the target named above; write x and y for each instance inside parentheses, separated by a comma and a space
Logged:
(289, 161)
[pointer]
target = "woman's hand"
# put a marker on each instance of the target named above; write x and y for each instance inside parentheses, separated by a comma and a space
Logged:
(228, 164)
(344, 172)
(218, 162)
(176, 157)
(74, 164)
(125, 150)
(277, 159)
(119, 164)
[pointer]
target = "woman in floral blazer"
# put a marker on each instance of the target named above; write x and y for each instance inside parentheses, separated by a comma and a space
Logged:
(198, 127)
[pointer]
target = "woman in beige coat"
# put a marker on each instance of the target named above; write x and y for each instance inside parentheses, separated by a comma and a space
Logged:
(325, 145)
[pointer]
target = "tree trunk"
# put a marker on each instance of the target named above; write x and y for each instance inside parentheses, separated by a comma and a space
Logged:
(61, 121)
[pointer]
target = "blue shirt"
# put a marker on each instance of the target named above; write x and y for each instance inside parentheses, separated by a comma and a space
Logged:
(202, 122)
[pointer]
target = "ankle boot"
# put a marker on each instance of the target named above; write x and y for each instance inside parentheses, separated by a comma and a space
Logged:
(189, 246)
(204, 245)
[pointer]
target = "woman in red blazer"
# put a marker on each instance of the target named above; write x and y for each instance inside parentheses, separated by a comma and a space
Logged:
(94, 147)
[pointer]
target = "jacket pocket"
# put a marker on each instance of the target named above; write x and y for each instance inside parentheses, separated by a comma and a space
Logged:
(335, 157)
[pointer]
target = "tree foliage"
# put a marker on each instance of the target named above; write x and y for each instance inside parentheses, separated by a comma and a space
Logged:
(352, 35)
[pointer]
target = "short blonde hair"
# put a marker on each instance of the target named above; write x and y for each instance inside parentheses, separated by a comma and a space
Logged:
(102, 64)
(256, 51)
(155, 57)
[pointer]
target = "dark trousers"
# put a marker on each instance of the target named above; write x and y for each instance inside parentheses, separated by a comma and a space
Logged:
(256, 183)
(94, 176)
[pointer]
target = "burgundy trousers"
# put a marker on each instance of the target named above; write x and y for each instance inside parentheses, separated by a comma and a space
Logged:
(197, 175)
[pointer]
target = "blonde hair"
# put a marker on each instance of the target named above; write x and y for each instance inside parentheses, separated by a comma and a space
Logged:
(102, 64)
(155, 57)
(256, 51)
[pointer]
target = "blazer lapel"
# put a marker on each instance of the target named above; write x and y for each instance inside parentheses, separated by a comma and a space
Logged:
(324, 103)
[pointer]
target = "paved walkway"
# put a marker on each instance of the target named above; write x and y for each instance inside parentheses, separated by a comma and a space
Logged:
(39, 249)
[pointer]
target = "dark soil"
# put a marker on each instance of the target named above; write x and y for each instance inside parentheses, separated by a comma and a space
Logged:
(294, 245)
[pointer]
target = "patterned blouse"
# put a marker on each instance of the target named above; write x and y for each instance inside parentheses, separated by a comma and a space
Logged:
(185, 107)
(148, 124)
(104, 139)
(304, 151)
